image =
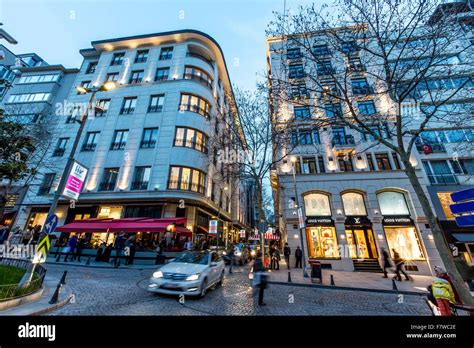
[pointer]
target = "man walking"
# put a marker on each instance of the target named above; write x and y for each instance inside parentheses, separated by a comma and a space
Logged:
(72, 248)
(399, 266)
(298, 256)
(260, 279)
(231, 253)
(287, 253)
(386, 262)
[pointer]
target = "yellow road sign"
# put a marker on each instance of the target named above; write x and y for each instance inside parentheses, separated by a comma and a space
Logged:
(42, 250)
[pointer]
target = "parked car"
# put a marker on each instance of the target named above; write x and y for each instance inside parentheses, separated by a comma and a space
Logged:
(191, 273)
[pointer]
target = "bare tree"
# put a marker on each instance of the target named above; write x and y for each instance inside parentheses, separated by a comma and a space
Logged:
(336, 59)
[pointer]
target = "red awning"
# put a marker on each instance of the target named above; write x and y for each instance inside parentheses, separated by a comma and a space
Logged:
(127, 225)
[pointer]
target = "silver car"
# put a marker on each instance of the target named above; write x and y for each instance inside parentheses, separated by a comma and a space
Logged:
(190, 273)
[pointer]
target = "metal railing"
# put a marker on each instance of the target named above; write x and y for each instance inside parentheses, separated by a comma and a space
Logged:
(343, 140)
(435, 148)
(175, 185)
(107, 186)
(139, 185)
(198, 56)
(11, 291)
(443, 179)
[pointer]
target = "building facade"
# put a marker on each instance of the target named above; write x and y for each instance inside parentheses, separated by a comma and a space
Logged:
(148, 144)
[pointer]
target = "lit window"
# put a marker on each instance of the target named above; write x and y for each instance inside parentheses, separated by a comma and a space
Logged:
(317, 204)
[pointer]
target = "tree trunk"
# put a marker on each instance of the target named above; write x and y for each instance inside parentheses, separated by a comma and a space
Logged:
(440, 242)
(261, 214)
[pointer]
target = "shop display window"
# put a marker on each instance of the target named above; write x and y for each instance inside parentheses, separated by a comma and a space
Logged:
(322, 242)
(405, 241)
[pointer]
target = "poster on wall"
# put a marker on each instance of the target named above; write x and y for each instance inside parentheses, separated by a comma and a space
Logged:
(75, 181)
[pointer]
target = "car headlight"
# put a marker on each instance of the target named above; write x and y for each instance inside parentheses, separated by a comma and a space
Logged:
(158, 274)
(238, 253)
(193, 277)
(224, 253)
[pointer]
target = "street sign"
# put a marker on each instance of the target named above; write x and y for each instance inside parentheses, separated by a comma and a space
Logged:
(42, 250)
(242, 233)
(75, 181)
(300, 217)
(213, 226)
(50, 224)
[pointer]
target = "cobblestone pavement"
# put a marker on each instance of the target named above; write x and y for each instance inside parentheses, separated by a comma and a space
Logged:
(121, 292)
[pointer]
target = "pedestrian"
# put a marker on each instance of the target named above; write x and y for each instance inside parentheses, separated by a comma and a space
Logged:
(79, 247)
(36, 234)
(72, 248)
(26, 235)
(442, 291)
(204, 245)
(298, 257)
(100, 252)
(231, 254)
(399, 266)
(107, 252)
(276, 259)
(118, 244)
(287, 253)
(188, 245)
(260, 278)
(129, 250)
(386, 262)
(4, 233)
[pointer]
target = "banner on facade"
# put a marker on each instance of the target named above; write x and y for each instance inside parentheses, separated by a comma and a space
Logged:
(242, 233)
(75, 181)
(213, 226)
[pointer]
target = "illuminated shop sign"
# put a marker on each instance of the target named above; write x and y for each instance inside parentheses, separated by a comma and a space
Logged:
(397, 220)
(319, 221)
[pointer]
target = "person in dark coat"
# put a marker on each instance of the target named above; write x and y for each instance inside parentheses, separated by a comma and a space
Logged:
(118, 245)
(100, 253)
(72, 248)
(399, 266)
(108, 252)
(299, 257)
(276, 259)
(231, 254)
(259, 271)
(287, 253)
(386, 262)
(79, 247)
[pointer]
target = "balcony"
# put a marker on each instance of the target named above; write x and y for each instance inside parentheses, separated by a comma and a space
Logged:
(125, 111)
(58, 152)
(118, 146)
(198, 56)
(147, 144)
(330, 92)
(106, 186)
(175, 185)
(363, 90)
(343, 141)
(135, 81)
(199, 79)
(88, 147)
(325, 71)
(140, 185)
(443, 179)
(356, 67)
(141, 59)
(431, 148)
(194, 108)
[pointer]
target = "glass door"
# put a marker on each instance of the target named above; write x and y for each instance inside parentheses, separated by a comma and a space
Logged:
(361, 244)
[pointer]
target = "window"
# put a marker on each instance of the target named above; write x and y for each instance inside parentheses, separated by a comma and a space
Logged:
(322, 168)
(194, 139)
(317, 204)
(189, 179)
(301, 112)
(366, 107)
(128, 105)
(304, 137)
(120, 140)
(136, 77)
(322, 242)
(109, 179)
(370, 161)
(360, 86)
(297, 166)
(166, 53)
(112, 77)
(117, 59)
(296, 71)
(376, 129)
(467, 165)
(339, 136)
(333, 110)
(90, 142)
(353, 203)
(321, 50)
(91, 68)
(197, 74)
(195, 104)
(298, 90)
(316, 139)
(392, 203)
(141, 178)
(29, 98)
(47, 183)
(60, 147)
(293, 53)
(396, 161)
(349, 47)
(142, 56)
(309, 165)
(324, 68)
(156, 103)
(101, 107)
(149, 138)
(39, 78)
(405, 241)
(162, 74)
(383, 163)
(345, 163)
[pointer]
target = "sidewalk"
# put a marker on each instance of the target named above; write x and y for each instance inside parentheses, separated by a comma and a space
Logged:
(354, 280)
(52, 261)
(42, 306)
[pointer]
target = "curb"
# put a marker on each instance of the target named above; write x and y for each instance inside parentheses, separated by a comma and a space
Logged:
(98, 266)
(55, 306)
(19, 301)
(383, 291)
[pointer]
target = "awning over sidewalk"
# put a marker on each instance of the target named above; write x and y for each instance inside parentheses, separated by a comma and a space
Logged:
(464, 237)
(127, 225)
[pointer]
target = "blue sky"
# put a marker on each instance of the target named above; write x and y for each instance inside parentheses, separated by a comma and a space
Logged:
(57, 29)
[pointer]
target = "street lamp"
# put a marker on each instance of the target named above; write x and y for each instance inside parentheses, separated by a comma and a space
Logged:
(294, 159)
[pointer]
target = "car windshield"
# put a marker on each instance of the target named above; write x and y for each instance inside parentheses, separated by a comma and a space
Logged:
(193, 257)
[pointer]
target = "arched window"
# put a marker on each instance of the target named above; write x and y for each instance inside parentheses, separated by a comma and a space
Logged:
(317, 204)
(393, 203)
(353, 204)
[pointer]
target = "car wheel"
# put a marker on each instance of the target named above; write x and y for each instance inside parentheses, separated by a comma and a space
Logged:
(203, 288)
(221, 279)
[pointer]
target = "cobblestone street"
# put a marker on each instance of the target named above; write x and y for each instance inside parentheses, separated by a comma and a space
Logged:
(101, 291)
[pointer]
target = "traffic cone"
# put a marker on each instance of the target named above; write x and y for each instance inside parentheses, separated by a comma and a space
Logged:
(55, 297)
(88, 262)
(332, 280)
(394, 285)
(63, 278)
(289, 277)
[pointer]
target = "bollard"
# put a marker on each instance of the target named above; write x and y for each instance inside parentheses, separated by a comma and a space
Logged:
(289, 277)
(63, 278)
(394, 285)
(332, 280)
(58, 257)
(55, 297)
(88, 262)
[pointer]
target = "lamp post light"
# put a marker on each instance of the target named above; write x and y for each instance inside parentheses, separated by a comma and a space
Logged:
(303, 258)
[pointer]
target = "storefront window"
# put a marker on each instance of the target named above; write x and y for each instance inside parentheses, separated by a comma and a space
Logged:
(353, 204)
(317, 204)
(446, 201)
(322, 242)
(405, 242)
(393, 203)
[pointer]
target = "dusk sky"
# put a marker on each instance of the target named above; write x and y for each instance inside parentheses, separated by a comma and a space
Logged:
(56, 30)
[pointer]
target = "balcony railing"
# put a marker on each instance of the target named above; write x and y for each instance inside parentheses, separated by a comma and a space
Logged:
(139, 185)
(175, 185)
(125, 111)
(198, 56)
(118, 146)
(155, 108)
(141, 59)
(191, 144)
(365, 90)
(443, 179)
(58, 152)
(106, 186)
(88, 147)
(161, 77)
(347, 140)
(147, 144)
(325, 71)
(356, 67)
(194, 108)
(435, 148)
(199, 79)
(135, 81)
